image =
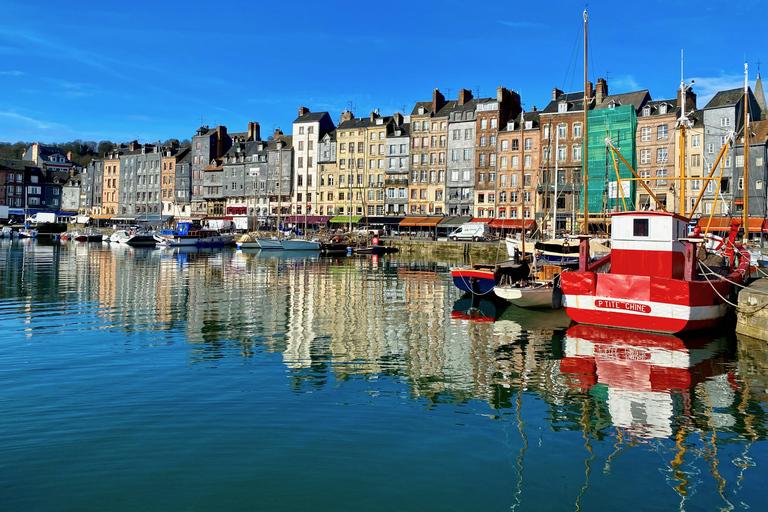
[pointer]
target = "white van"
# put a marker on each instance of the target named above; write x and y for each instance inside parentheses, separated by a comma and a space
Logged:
(471, 231)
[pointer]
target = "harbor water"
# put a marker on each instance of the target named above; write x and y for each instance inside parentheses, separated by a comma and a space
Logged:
(215, 379)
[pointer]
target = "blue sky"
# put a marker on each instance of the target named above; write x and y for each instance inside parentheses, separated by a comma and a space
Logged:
(151, 70)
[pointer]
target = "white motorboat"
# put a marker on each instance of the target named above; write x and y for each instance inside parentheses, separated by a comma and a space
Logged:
(120, 236)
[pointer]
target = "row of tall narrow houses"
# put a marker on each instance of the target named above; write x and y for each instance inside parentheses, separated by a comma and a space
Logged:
(466, 157)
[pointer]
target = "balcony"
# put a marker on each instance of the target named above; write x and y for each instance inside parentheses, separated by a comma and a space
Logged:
(399, 181)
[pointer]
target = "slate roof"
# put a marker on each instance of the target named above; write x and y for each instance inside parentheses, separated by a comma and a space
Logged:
(575, 101)
(672, 107)
(427, 106)
(12, 164)
(514, 124)
(726, 98)
(310, 117)
(638, 99)
(43, 152)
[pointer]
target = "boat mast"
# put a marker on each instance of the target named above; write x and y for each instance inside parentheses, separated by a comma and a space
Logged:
(522, 166)
(554, 206)
(279, 180)
(585, 151)
(350, 194)
(683, 124)
(745, 185)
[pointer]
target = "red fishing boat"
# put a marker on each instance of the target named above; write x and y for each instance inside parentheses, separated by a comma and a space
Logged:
(654, 282)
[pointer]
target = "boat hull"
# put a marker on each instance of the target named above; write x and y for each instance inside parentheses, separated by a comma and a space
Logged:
(270, 243)
(215, 241)
(300, 245)
(526, 296)
(642, 302)
(141, 241)
(474, 281)
(248, 245)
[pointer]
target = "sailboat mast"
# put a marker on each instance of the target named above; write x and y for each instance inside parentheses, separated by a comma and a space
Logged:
(554, 206)
(683, 126)
(279, 180)
(745, 186)
(522, 166)
(585, 139)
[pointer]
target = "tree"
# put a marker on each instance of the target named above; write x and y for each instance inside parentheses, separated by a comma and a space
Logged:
(105, 147)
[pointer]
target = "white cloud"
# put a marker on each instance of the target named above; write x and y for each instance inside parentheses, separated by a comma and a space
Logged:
(706, 87)
(11, 73)
(622, 84)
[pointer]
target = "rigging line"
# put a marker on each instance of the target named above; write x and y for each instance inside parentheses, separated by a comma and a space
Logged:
(574, 57)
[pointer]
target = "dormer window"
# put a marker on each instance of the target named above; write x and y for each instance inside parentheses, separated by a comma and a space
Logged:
(662, 109)
(562, 107)
(422, 111)
(646, 111)
(528, 125)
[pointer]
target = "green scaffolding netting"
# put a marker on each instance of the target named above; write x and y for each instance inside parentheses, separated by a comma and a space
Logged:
(620, 125)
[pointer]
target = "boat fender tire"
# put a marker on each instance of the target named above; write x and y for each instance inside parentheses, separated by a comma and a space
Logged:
(557, 294)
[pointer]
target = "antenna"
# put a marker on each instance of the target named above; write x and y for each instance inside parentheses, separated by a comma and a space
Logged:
(352, 106)
(477, 91)
(448, 92)
(201, 121)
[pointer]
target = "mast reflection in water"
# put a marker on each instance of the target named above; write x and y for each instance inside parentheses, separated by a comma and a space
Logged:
(214, 379)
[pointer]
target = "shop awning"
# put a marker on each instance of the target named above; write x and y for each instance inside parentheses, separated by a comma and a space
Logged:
(67, 214)
(411, 221)
(430, 221)
(310, 219)
(383, 221)
(344, 219)
(512, 223)
(127, 219)
(102, 216)
(480, 219)
(756, 224)
(454, 221)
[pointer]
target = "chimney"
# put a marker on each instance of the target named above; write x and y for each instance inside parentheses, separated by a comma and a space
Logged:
(374, 115)
(221, 141)
(601, 91)
(254, 132)
(438, 100)
(346, 116)
(69, 156)
(465, 95)
(303, 111)
(690, 101)
(534, 109)
(278, 133)
(398, 118)
(556, 93)
(132, 145)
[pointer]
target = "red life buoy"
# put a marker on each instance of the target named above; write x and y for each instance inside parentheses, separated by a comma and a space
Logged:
(375, 240)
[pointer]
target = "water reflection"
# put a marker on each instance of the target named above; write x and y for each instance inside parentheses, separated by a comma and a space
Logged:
(390, 326)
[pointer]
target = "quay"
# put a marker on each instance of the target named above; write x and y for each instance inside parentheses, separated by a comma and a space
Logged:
(752, 311)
